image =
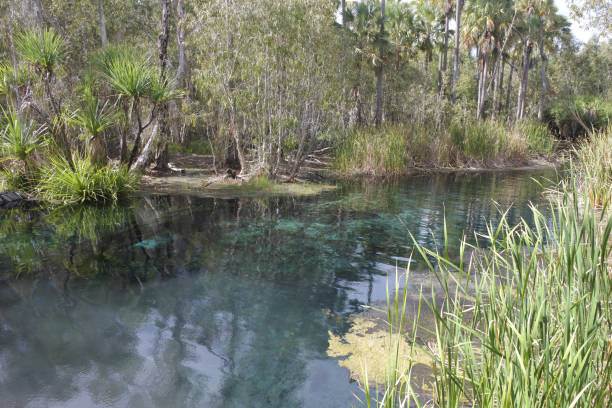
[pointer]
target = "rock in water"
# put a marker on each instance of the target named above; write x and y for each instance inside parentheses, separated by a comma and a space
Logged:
(10, 199)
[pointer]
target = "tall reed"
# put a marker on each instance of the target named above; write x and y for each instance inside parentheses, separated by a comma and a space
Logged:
(525, 321)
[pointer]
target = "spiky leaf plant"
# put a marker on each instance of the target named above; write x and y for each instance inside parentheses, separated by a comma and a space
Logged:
(41, 50)
(20, 136)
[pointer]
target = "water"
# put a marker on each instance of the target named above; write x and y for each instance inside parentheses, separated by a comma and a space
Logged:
(182, 301)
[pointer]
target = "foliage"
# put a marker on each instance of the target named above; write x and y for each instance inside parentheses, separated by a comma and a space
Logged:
(594, 112)
(94, 117)
(85, 183)
(42, 50)
(20, 137)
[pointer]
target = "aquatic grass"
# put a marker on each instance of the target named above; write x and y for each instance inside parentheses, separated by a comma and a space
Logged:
(84, 183)
(595, 160)
(525, 320)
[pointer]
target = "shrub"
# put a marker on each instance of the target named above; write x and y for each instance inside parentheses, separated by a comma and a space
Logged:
(594, 112)
(85, 183)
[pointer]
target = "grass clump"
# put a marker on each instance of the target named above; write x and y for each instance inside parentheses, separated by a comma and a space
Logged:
(595, 158)
(259, 182)
(84, 183)
(395, 150)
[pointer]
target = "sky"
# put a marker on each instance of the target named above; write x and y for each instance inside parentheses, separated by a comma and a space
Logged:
(578, 31)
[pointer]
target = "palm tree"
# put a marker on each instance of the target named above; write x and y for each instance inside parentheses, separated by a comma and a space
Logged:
(20, 138)
(401, 30)
(132, 78)
(525, 31)
(458, 10)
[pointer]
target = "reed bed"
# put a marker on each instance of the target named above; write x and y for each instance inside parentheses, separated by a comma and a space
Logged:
(524, 321)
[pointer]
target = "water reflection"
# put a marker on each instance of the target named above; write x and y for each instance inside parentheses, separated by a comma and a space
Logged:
(184, 301)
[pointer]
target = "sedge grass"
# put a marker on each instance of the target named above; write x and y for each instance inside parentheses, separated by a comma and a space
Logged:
(396, 149)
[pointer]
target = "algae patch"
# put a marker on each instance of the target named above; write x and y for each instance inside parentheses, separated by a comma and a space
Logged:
(369, 345)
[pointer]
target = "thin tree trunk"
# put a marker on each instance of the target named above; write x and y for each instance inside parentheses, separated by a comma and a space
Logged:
(458, 10)
(482, 91)
(343, 11)
(379, 82)
(509, 89)
(445, 60)
(180, 34)
(439, 81)
(498, 108)
(520, 109)
(102, 24)
(544, 80)
(161, 159)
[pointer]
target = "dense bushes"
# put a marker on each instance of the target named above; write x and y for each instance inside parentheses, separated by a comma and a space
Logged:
(397, 149)
(594, 113)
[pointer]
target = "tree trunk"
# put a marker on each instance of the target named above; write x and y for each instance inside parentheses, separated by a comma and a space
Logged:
(102, 24)
(520, 108)
(458, 10)
(509, 89)
(161, 159)
(97, 150)
(180, 34)
(343, 11)
(500, 87)
(442, 64)
(544, 80)
(482, 90)
(379, 82)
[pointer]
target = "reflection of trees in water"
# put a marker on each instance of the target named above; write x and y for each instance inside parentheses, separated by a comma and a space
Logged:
(117, 300)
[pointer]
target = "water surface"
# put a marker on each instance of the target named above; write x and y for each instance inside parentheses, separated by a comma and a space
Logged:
(179, 301)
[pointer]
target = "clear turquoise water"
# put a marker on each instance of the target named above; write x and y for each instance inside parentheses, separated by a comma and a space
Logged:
(183, 301)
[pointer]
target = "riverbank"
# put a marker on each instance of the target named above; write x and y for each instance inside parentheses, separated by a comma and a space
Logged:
(197, 175)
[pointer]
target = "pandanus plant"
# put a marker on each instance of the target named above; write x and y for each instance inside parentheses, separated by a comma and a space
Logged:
(95, 118)
(44, 51)
(137, 82)
(20, 138)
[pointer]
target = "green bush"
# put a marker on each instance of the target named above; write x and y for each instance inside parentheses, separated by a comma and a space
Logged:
(85, 183)
(193, 147)
(594, 112)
